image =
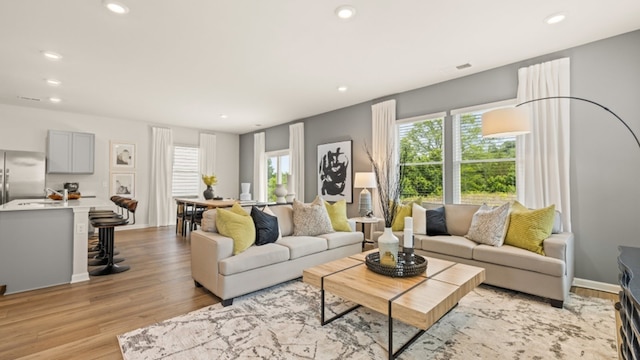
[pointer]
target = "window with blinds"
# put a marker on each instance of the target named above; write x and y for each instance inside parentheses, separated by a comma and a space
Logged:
(186, 174)
(421, 158)
(484, 168)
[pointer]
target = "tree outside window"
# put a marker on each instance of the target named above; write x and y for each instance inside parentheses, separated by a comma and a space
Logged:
(278, 171)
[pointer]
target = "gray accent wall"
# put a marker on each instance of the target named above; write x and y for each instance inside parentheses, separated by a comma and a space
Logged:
(605, 160)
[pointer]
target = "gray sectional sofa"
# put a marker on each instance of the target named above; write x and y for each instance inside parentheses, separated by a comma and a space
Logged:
(214, 266)
(549, 276)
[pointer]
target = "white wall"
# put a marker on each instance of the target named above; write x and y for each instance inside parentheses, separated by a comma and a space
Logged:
(23, 128)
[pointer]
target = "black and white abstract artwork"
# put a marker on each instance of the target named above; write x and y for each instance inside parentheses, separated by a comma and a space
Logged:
(335, 171)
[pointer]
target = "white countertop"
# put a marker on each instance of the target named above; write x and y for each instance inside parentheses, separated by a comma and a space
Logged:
(47, 204)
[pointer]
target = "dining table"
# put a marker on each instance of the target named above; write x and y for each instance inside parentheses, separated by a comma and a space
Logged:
(187, 210)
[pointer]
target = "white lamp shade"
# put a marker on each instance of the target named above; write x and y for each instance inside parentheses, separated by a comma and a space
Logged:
(506, 122)
(365, 180)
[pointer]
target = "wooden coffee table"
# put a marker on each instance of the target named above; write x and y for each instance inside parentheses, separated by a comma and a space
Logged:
(419, 301)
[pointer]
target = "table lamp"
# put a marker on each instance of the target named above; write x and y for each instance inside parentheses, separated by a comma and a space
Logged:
(365, 180)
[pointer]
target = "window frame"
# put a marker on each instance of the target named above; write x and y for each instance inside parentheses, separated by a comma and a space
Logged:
(196, 174)
(277, 154)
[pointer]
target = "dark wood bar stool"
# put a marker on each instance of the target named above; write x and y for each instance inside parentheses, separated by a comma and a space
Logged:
(106, 226)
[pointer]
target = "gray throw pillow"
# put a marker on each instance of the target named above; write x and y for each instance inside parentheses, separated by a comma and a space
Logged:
(489, 225)
(311, 219)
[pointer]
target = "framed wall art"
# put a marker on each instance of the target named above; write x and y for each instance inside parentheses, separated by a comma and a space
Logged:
(123, 155)
(335, 171)
(123, 184)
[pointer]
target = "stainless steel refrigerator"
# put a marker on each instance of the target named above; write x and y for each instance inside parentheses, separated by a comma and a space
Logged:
(22, 175)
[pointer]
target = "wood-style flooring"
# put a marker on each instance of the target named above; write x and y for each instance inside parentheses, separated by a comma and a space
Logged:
(81, 321)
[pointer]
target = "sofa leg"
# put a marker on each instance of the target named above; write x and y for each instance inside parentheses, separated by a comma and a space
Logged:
(556, 303)
(197, 283)
(227, 302)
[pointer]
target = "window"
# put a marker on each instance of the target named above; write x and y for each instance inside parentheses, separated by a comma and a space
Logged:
(278, 170)
(186, 172)
(421, 157)
(484, 169)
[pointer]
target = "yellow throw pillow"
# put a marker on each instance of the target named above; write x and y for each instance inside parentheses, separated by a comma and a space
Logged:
(529, 228)
(338, 215)
(402, 211)
(237, 224)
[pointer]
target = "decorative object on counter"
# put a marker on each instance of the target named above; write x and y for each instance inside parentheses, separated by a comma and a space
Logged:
(407, 239)
(388, 245)
(209, 180)
(245, 195)
(290, 193)
(401, 269)
(334, 171)
(280, 193)
(123, 184)
(71, 186)
(123, 155)
(365, 180)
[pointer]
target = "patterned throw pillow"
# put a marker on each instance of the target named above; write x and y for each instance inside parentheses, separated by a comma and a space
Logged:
(529, 228)
(208, 222)
(311, 219)
(338, 215)
(238, 225)
(489, 225)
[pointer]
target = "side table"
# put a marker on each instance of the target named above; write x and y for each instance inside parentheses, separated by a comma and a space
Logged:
(362, 221)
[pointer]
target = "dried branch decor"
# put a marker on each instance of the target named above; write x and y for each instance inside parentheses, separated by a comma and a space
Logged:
(389, 178)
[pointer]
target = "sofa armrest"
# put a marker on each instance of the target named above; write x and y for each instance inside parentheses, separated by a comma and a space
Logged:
(207, 249)
(561, 246)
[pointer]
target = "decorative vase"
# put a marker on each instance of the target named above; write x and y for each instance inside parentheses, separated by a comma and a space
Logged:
(388, 245)
(280, 192)
(208, 193)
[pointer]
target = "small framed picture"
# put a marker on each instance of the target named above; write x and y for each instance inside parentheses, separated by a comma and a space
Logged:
(123, 184)
(123, 155)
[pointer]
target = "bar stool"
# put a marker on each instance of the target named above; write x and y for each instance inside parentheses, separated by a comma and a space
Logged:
(100, 246)
(107, 225)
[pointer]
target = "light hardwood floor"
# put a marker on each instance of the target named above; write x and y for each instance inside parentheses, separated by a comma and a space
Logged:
(81, 321)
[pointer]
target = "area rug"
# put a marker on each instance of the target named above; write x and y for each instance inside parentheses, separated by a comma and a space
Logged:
(283, 322)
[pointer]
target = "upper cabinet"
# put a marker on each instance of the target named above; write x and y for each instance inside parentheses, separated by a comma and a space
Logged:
(70, 152)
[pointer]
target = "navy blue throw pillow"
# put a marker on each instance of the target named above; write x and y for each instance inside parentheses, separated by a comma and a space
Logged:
(267, 230)
(436, 222)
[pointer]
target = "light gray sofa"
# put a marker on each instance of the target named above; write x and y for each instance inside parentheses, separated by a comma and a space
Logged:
(549, 275)
(227, 276)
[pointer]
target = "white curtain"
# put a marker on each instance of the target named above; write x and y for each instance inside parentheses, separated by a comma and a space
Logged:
(161, 203)
(543, 154)
(207, 157)
(259, 167)
(296, 148)
(384, 147)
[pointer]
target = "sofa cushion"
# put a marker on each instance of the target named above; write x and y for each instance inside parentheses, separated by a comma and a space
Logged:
(266, 226)
(449, 245)
(340, 239)
(515, 257)
(300, 246)
(310, 219)
(252, 258)
(285, 218)
(529, 228)
(459, 217)
(338, 215)
(489, 225)
(238, 225)
(436, 222)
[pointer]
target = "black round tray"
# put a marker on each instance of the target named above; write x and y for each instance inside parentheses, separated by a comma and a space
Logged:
(408, 265)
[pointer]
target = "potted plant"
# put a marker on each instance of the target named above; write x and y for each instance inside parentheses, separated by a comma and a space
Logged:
(209, 180)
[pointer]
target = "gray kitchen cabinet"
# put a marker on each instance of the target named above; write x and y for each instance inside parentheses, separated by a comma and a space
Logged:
(70, 152)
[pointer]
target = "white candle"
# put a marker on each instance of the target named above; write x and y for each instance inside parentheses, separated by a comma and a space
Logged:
(408, 232)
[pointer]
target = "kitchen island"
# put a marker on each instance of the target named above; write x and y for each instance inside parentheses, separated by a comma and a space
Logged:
(44, 242)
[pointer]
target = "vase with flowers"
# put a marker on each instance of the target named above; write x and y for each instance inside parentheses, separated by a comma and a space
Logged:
(209, 180)
(389, 178)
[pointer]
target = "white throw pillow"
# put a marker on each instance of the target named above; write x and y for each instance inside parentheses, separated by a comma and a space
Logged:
(419, 215)
(489, 225)
(208, 222)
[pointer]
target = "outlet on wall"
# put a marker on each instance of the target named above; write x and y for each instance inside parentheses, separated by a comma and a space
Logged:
(81, 228)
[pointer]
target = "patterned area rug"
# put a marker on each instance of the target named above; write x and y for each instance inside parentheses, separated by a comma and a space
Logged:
(283, 322)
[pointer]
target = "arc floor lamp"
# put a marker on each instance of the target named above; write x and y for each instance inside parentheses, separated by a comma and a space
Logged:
(515, 121)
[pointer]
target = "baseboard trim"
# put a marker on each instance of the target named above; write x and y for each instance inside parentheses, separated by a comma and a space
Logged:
(596, 285)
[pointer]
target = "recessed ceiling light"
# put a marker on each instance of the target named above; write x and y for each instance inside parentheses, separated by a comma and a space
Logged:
(116, 7)
(223, 116)
(50, 55)
(55, 100)
(258, 125)
(345, 12)
(555, 18)
(343, 88)
(53, 82)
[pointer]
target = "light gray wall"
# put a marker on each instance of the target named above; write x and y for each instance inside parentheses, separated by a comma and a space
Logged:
(605, 160)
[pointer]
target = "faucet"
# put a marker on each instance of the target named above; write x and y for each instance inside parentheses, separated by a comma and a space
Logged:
(65, 194)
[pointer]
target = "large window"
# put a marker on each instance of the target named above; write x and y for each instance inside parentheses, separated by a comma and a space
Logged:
(421, 156)
(278, 170)
(484, 168)
(186, 175)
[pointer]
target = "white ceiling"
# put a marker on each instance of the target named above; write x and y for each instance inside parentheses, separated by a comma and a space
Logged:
(271, 62)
